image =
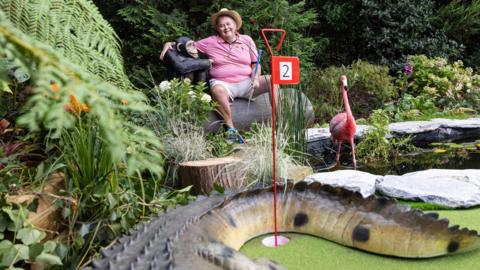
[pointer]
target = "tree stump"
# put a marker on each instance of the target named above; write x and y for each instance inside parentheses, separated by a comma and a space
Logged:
(47, 216)
(202, 174)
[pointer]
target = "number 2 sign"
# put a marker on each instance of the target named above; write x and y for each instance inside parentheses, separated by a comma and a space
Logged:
(285, 70)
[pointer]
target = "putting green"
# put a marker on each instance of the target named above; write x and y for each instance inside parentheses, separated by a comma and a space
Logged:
(308, 252)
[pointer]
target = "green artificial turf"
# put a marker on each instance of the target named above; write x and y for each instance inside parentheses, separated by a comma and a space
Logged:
(312, 253)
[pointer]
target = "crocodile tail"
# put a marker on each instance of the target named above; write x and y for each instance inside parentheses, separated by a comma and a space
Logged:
(374, 224)
(379, 224)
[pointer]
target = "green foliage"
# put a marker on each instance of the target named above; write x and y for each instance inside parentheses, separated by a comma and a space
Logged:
(46, 107)
(290, 119)
(375, 146)
(409, 107)
(89, 163)
(179, 112)
(393, 30)
(144, 26)
(461, 22)
(77, 31)
(436, 86)
(382, 32)
(338, 30)
(20, 242)
(370, 88)
(178, 101)
(257, 162)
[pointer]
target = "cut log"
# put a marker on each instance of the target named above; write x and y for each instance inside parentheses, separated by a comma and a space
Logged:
(202, 174)
(47, 216)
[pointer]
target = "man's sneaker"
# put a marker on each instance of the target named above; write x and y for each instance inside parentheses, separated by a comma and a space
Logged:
(234, 137)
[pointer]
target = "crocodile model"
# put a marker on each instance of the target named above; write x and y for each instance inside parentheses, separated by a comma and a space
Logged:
(208, 233)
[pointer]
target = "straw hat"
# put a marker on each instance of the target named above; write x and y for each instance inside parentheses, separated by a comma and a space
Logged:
(230, 13)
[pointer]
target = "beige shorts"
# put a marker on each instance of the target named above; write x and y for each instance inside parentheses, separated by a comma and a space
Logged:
(243, 89)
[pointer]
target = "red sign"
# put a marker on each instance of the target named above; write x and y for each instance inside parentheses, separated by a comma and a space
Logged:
(285, 70)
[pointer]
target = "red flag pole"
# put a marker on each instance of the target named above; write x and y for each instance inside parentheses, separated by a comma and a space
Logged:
(272, 92)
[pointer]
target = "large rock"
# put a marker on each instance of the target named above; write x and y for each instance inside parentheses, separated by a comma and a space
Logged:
(357, 181)
(319, 141)
(435, 130)
(246, 112)
(452, 188)
(420, 132)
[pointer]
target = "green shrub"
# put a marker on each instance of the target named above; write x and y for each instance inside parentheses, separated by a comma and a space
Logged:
(391, 30)
(375, 146)
(370, 87)
(178, 101)
(381, 32)
(461, 22)
(450, 86)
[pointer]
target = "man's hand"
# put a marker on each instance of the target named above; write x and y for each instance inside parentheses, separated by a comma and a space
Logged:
(167, 46)
(256, 83)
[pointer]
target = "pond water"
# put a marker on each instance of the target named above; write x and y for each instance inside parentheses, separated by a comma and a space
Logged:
(449, 155)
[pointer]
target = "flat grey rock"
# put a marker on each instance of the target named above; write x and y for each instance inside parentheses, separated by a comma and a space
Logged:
(452, 188)
(324, 133)
(357, 181)
(421, 133)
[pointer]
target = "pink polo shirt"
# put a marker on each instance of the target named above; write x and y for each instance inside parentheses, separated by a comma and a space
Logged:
(231, 62)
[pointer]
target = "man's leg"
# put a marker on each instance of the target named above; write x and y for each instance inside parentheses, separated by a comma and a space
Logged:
(220, 95)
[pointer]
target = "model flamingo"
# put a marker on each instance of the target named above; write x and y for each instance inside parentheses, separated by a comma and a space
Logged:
(342, 125)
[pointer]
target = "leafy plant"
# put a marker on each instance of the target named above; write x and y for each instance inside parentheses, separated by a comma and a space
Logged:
(257, 162)
(370, 87)
(46, 108)
(409, 107)
(435, 84)
(178, 101)
(375, 145)
(392, 30)
(20, 242)
(291, 116)
(76, 29)
(460, 20)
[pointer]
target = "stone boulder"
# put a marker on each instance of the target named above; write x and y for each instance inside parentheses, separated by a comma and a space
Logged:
(246, 112)
(451, 188)
(357, 181)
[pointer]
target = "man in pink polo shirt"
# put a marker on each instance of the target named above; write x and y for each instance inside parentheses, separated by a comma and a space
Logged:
(233, 59)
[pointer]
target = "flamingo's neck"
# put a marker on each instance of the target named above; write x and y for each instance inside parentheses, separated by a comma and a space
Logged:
(346, 104)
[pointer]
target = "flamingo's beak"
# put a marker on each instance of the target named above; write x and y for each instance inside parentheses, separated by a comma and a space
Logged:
(345, 84)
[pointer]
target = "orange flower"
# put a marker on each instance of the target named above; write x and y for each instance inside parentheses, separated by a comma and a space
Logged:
(4, 123)
(85, 108)
(75, 103)
(76, 108)
(69, 108)
(125, 102)
(54, 87)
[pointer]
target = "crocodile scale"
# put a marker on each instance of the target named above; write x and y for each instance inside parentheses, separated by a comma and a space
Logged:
(208, 233)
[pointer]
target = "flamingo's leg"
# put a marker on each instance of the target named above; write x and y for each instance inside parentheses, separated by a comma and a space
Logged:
(339, 145)
(352, 143)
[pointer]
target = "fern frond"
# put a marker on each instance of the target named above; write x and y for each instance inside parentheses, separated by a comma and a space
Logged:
(77, 29)
(138, 147)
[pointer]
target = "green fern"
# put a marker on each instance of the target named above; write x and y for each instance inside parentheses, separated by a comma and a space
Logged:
(76, 29)
(138, 147)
